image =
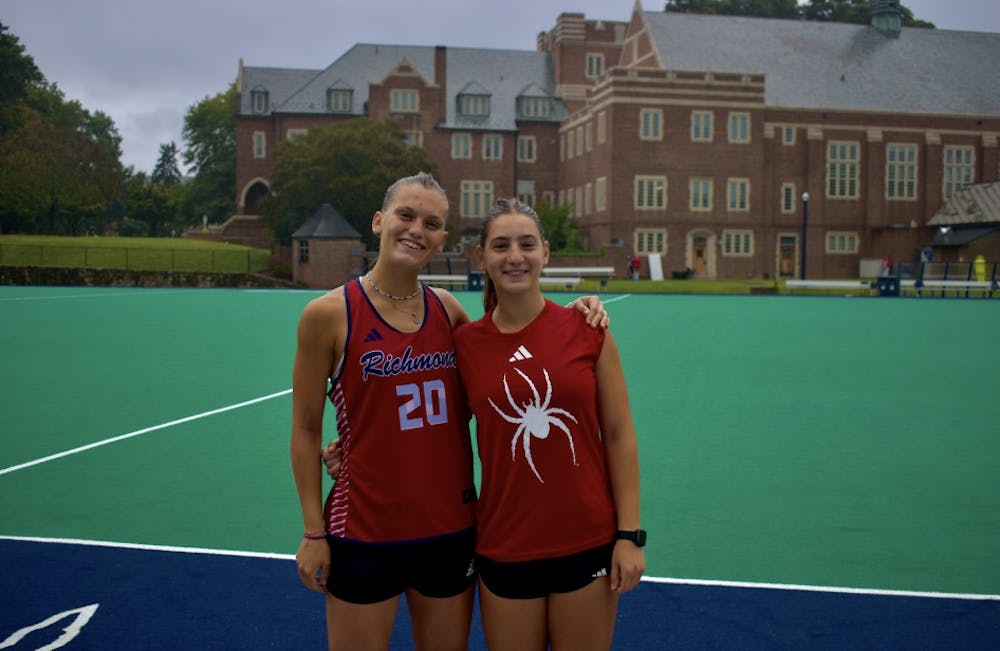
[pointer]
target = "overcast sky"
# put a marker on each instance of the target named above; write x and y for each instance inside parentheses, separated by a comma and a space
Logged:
(145, 62)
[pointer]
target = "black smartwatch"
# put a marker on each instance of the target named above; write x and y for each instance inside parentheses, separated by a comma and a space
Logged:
(638, 536)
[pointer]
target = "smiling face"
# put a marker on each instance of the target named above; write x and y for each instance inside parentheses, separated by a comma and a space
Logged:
(411, 226)
(513, 253)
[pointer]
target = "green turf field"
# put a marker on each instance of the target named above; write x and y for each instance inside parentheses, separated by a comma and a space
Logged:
(827, 441)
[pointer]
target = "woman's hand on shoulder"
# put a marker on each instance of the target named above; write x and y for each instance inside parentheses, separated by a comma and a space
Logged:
(593, 309)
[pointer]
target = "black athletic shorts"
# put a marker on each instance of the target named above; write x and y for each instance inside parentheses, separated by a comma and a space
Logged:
(366, 573)
(533, 579)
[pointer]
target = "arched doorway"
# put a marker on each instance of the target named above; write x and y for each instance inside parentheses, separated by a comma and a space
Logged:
(254, 194)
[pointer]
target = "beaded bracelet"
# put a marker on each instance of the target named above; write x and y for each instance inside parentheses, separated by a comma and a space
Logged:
(314, 536)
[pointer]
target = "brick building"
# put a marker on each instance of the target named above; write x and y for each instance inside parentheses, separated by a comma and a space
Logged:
(692, 137)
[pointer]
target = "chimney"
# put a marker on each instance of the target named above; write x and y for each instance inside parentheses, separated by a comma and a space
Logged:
(886, 18)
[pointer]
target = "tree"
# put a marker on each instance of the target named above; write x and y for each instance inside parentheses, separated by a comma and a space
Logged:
(18, 73)
(348, 165)
(841, 11)
(561, 232)
(210, 152)
(166, 173)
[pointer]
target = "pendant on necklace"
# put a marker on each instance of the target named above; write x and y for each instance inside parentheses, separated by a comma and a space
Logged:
(415, 319)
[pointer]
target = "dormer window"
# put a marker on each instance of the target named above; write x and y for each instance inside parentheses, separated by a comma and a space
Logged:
(474, 105)
(404, 101)
(339, 100)
(535, 107)
(259, 100)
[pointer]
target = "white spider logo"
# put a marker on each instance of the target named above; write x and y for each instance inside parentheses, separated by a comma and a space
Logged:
(534, 420)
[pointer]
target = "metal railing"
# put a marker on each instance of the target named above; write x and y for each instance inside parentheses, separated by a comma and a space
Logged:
(132, 258)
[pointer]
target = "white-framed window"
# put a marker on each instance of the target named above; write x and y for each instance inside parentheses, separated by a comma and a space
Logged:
(650, 240)
(901, 171)
(737, 243)
(788, 135)
(841, 243)
(843, 167)
(535, 107)
(477, 197)
(461, 145)
(650, 124)
(650, 192)
(526, 149)
(787, 197)
(474, 104)
(601, 193)
(259, 144)
(303, 250)
(562, 197)
(602, 127)
(595, 64)
(404, 101)
(413, 138)
(701, 194)
(738, 195)
(570, 145)
(739, 127)
(702, 123)
(259, 100)
(959, 169)
(588, 135)
(588, 190)
(562, 147)
(492, 146)
(339, 100)
(548, 196)
(578, 204)
(292, 134)
(579, 141)
(526, 192)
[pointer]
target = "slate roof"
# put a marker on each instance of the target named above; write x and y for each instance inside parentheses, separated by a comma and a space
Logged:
(326, 223)
(978, 203)
(819, 65)
(962, 236)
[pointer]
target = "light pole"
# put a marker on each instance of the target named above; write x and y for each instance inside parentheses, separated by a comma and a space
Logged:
(805, 223)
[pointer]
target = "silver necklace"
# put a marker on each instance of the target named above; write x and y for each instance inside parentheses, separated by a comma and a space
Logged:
(412, 313)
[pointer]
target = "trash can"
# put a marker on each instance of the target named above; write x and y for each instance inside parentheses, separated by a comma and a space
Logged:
(888, 286)
(476, 280)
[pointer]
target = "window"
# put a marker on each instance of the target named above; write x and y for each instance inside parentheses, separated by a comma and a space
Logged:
(650, 124)
(701, 194)
(339, 101)
(295, 133)
(602, 127)
(579, 141)
(562, 147)
(492, 146)
(958, 169)
(477, 197)
(841, 243)
(901, 171)
(650, 192)
(303, 250)
(535, 107)
(701, 126)
(595, 64)
(650, 240)
(588, 135)
(526, 192)
(461, 145)
(738, 195)
(842, 170)
(474, 104)
(737, 243)
(787, 135)
(570, 145)
(413, 138)
(601, 194)
(578, 204)
(587, 194)
(739, 128)
(259, 144)
(404, 101)
(787, 197)
(526, 149)
(548, 197)
(259, 100)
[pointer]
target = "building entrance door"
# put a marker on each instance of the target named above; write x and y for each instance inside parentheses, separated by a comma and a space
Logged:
(699, 262)
(786, 256)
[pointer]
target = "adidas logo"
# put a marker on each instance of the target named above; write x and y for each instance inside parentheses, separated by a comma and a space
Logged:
(373, 336)
(520, 355)
(601, 572)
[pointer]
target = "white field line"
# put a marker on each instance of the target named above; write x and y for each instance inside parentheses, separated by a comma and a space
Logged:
(122, 437)
(647, 579)
(75, 296)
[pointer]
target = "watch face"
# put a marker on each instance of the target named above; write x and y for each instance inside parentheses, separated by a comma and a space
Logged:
(640, 537)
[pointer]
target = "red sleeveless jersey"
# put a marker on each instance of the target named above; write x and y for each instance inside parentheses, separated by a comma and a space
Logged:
(545, 489)
(406, 472)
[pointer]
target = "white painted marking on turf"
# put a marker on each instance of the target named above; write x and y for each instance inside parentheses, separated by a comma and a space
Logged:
(83, 295)
(647, 579)
(83, 615)
(617, 298)
(122, 437)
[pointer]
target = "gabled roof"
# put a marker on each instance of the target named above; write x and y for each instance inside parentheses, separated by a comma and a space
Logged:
(474, 88)
(823, 65)
(326, 223)
(280, 83)
(975, 204)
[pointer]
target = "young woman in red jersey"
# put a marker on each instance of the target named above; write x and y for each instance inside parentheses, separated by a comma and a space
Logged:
(557, 522)
(400, 519)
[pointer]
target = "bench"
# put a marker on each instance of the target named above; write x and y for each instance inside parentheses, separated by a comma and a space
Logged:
(918, 285)
(569, 282)
(445, 279)
(566, 275)
(828, 284)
